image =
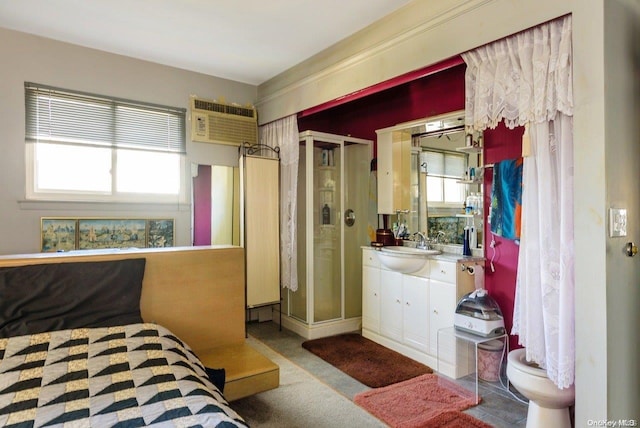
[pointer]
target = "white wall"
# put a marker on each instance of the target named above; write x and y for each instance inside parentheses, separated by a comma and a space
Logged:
(429, 31)
(29, 58)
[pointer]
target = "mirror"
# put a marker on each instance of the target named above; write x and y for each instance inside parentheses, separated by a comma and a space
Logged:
(445, 180)
(216, 205)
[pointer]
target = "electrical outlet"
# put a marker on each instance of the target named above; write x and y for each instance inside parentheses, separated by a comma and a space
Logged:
(617, 222)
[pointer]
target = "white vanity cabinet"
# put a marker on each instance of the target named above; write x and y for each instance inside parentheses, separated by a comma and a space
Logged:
(415, 316)
(442, 299)
(391, 304)
(370, 291)
(405, 311)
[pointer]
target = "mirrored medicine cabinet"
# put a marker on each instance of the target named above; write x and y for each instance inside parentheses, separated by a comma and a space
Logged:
(430, 176)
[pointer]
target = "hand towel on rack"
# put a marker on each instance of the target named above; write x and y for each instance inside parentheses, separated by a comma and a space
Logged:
(506, 198)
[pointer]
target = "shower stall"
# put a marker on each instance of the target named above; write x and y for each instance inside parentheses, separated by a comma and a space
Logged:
(333, 203)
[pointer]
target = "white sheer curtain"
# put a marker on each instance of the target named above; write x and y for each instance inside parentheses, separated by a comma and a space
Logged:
(284, 133)
(526, 79)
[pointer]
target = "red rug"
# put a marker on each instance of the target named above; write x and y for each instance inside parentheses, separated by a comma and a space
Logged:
(364, 360)
(424, 401)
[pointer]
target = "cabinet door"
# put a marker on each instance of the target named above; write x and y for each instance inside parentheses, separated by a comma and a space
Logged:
(371, 298)
(415, 293)
(442, 306)
(385, 173)
(394, 171)
(391, 304)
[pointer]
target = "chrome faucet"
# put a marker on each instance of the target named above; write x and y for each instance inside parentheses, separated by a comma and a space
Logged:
(440, 236)
(422, 242)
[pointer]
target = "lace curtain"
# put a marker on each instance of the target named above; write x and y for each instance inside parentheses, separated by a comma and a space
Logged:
(284, 133)
(526, 79)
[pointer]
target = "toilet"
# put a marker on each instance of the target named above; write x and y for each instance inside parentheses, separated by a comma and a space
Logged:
(548, 404)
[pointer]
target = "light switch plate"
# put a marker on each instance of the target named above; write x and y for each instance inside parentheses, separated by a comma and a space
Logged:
(617, 222)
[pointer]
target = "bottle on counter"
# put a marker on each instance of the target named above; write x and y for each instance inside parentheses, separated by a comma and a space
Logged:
(466, 249)
(326, 214)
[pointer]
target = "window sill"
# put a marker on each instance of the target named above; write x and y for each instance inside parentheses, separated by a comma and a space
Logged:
(102, 206)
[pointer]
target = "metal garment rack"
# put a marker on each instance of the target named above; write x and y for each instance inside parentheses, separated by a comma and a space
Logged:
(267, 152)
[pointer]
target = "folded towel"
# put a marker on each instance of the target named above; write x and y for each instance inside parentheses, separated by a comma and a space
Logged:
(506, 198)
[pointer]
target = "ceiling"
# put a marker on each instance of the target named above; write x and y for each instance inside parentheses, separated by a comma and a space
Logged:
(248, 41)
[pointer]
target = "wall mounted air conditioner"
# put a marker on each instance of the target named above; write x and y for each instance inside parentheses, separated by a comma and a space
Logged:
(215, 122)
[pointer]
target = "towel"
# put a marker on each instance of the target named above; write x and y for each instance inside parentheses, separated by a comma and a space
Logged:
(478, 273)
(506, 199)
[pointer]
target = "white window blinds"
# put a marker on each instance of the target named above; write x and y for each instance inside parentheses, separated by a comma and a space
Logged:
(443, 164)
(62, 116)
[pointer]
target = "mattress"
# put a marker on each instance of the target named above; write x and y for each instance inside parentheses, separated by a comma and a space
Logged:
(127, 376)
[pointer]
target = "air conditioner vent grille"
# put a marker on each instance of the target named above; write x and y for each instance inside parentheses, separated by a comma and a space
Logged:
(225, 130)
(213, 122)
(224, 108)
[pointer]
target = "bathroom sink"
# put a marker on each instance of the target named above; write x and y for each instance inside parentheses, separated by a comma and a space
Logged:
(404, 259)
(409, 250)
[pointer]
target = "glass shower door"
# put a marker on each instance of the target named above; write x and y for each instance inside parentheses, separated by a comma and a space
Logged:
(327, 248)
(297, 301)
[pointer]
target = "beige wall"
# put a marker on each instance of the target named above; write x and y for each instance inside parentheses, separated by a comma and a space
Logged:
(429, 31)
(30, 58)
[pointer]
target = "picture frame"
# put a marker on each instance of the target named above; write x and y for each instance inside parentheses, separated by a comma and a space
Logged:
(58, 234)
(160, 232)
(97, 233)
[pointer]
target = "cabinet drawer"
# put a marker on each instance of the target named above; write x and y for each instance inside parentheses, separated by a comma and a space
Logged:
(443, 271)
(369, 258)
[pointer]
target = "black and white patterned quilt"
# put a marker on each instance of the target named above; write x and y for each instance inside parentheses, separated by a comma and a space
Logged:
(129, 376)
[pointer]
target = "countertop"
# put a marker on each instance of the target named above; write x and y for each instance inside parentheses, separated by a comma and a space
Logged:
(444, 256)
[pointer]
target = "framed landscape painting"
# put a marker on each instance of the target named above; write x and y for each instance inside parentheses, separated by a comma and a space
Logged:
(111, 233)
(58, 234)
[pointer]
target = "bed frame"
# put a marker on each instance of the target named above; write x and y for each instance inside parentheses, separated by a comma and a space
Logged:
(199, 294)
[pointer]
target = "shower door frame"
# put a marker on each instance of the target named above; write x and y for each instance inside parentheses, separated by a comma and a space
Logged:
(309, 137)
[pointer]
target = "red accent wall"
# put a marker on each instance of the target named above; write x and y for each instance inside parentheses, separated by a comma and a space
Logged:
(500, 144)
(431, 95)
(202, 206)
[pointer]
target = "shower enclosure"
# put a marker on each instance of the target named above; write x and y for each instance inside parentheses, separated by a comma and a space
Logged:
(333, 199)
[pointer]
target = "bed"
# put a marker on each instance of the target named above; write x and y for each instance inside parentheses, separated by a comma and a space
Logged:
(112, 338)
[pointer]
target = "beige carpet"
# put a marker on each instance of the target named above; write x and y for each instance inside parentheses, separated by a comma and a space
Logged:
(300, 401)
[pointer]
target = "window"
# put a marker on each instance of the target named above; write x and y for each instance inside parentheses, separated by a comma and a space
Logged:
(88, 147)
(444, 169)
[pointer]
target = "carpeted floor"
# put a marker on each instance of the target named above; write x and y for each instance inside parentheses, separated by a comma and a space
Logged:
(364, 360)
(301, 401)
(424, 401)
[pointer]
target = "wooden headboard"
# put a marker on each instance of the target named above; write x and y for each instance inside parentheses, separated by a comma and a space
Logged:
(196, 292)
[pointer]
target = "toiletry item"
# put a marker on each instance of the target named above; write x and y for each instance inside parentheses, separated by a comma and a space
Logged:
(330, 160)
(385, 237)
(466, 250)
(326, 214)
(470, 206)
(468, 140)
(473, 236)
(472, 174)
(324, 159)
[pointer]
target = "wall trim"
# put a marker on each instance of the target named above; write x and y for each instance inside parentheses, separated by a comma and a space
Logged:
(368, 55)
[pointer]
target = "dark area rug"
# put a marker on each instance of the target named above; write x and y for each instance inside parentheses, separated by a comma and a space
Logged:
(364, 360)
